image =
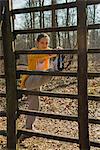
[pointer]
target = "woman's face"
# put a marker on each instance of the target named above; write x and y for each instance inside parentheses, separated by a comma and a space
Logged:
(43, 43)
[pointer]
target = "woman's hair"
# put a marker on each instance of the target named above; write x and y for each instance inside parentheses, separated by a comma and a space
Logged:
(42, 35)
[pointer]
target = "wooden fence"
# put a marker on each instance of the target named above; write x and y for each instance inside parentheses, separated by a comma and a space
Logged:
(82, 76)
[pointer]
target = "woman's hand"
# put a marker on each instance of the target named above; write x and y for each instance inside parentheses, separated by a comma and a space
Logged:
(59, 48)
(55, 55)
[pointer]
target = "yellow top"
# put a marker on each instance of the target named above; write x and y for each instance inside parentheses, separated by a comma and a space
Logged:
(33, 60)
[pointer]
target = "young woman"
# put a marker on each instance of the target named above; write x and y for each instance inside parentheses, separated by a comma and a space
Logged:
(38, 61)
(34, 82)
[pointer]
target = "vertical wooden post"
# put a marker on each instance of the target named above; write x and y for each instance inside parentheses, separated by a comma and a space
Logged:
(54, 44)
(10, 74)
(82, 77)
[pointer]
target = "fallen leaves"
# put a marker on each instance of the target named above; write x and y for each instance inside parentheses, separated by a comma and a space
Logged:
(62, 106)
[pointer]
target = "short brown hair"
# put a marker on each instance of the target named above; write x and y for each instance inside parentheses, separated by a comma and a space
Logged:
(42, 35)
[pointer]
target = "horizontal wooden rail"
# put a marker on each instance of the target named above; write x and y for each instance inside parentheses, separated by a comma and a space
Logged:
(3, 132)
(94, 121)
(93, 51)
(92, 2)
(55, 73)
(65, 51)
(44, 8)
(93, 26)
(3, 114)
(54, 116)
(58, 95)
(46, 73)
(92, 75)
(54, 29)
(0, 37)
(48, 136)
(49, 94)
(94, 98)
(95, 144)
(53, 137)
(51, 7)
(2, 94)
(47, 115)
(1, 57)
(2, 76)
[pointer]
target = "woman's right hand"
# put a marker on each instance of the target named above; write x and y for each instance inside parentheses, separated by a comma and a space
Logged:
(59, 48)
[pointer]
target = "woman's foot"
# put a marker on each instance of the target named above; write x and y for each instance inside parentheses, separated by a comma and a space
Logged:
(23, 137)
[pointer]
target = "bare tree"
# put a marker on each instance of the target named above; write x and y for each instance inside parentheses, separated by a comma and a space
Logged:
(94, 36)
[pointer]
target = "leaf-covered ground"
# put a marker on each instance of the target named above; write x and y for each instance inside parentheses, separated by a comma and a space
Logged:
(63, 106)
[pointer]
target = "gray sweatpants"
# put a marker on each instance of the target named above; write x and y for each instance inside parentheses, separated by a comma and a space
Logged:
(34, 82)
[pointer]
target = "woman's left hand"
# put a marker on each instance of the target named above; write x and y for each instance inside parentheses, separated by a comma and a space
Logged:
(58, 48)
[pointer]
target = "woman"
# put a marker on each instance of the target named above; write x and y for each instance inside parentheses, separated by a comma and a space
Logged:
(34, 82)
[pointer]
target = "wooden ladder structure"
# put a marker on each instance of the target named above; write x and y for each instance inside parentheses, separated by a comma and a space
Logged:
(82, 76)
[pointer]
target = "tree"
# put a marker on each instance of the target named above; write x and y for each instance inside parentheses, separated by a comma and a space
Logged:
(94, 35)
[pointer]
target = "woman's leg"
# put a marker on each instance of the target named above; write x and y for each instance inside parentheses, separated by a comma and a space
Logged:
(34, 83)
(33, 102)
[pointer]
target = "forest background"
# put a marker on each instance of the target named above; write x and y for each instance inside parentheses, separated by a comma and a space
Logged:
(67, 40)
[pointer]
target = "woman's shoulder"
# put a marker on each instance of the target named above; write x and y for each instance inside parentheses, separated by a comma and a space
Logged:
(50, 48)
(33, 48)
